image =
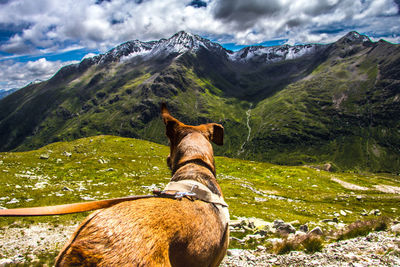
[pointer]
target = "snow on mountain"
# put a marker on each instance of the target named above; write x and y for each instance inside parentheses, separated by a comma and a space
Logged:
(183, 42)
(179, 43)
(273, 53)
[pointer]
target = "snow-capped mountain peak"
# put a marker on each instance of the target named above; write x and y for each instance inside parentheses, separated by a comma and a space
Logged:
(272, 54)
(179, 43)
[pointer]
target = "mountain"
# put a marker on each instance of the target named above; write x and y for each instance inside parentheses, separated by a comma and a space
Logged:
(304, 104)
(4, 93)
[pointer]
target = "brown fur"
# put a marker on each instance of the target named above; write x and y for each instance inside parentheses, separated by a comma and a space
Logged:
(159, 231)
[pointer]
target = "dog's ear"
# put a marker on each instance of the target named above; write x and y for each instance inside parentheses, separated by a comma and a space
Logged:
(217, 133)
(170, 122)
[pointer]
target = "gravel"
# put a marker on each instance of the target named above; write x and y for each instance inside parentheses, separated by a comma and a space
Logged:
(20, 245)
(375, 249)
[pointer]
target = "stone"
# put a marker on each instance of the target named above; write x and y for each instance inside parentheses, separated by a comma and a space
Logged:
(342, 212)
(12, 201)
(262, 232)
(261, 248)
(258, 223)
(327, 167)
(235, 223)
(316, 231)
(303, 228)
(359, 198)
(284, 228)
(67, 154)
(44, 156)
(278, 223)
(375, 212)
(395, 228)
(67, 189)
(364, 213)
(6, 262)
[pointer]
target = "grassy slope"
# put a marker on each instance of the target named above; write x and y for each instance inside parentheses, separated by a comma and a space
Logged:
(105, 166)
(96, 103)
(329, 117)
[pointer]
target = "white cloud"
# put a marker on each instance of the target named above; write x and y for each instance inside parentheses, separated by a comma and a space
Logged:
(52, 23)
(18, 74)
(59, 26)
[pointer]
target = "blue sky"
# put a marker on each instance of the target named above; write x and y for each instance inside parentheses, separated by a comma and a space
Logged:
(37, 37)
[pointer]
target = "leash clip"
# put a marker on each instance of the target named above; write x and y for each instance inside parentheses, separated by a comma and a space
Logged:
(177, 195)
(180, 195)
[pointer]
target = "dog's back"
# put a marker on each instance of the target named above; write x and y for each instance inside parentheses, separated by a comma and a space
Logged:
(150, 232)
(161, 231)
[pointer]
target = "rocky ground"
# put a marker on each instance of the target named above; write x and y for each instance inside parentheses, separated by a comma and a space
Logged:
(375, 249)
(22, 245)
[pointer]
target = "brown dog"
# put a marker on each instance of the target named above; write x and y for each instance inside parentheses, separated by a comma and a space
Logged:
(163, 231)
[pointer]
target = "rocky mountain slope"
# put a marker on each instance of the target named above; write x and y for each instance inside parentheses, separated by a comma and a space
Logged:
(300, 104)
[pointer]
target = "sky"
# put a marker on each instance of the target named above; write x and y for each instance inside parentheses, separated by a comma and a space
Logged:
(38, 37)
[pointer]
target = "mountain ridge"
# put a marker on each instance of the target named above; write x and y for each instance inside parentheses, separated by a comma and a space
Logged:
(311, 102)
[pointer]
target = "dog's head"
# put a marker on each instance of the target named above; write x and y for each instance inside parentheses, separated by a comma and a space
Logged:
(190, 142)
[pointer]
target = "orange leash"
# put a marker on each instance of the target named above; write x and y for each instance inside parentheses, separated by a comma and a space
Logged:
(68, 208)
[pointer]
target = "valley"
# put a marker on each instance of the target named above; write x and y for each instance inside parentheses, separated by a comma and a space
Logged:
(310, 104)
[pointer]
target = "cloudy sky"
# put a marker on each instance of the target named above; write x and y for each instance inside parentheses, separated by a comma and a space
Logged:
(37, 37)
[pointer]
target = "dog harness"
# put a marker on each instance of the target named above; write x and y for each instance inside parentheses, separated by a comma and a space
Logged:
(196, 190)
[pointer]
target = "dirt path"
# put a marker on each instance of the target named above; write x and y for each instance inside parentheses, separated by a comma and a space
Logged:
(350, 185)
(389, 189)
(248, 114)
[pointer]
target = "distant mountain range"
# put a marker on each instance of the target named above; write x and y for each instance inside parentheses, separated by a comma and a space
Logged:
(305, 104)
(4, 93)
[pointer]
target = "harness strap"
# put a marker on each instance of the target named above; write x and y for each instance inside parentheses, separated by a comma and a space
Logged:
(201, 191)
(198, 190)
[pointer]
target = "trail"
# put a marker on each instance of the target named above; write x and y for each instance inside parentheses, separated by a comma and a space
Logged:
(248, 113)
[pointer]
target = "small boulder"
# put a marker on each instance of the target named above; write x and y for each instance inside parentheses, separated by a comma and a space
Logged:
(67, 154)
(303, 228)
(316, 231)
(6, 262)
(395, 228)
(375, 212)
(284, 228)
(44, 156)
(67, 189)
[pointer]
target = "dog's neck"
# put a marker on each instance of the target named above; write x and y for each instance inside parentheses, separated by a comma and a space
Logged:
(197, 170)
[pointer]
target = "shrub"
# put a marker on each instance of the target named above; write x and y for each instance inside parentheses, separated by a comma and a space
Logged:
(312, 244)
(284, 247)
(309, 243)
(363, 228)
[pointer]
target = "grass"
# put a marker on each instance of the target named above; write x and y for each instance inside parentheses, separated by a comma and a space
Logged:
(102, 167)
(106, 166)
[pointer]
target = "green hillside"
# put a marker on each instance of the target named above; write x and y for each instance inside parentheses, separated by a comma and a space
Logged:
(345, 112)
(106, 166)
